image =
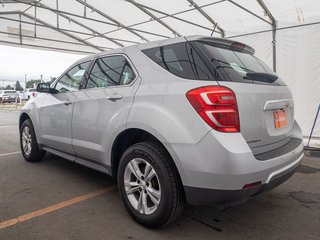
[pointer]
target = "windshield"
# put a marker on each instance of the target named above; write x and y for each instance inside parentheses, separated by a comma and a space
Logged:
(237, 64)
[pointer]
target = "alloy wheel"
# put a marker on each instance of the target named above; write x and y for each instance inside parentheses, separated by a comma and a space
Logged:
(142, 186)
(26, 140)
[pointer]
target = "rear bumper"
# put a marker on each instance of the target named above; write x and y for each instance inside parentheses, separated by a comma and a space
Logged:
(216, 169)
(9, 100)
(203, 196)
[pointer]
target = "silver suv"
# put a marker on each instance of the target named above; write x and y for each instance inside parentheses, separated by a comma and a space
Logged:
(194, 120)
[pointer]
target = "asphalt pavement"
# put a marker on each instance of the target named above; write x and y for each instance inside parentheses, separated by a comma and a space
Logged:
(57, 199)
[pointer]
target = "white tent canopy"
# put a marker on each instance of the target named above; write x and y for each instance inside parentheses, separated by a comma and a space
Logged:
(284, 33)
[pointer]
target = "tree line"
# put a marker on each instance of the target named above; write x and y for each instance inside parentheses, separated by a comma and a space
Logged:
(29, 84)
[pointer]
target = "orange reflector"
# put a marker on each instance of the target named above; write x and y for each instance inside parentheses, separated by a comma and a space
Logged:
(250, 185)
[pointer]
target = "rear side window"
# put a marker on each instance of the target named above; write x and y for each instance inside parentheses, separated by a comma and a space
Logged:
(237, 64)
(181, 60)
(110, 71)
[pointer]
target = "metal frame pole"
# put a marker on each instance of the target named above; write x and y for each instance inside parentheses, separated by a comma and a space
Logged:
(314, 124)
(174, 17)
(154, 17)
(86, 18)
(81, 25)
(112, 19)
(203, 13)
(62, 29)
(57, 7)
(35, 21)
(67, 34)
(20, 29)
(274, 30)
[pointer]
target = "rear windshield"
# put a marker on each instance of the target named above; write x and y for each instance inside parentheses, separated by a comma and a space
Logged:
(237, 64)
(181, 60)
(32, 90)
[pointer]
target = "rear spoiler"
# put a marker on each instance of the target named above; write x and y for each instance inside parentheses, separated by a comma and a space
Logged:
(223, 43)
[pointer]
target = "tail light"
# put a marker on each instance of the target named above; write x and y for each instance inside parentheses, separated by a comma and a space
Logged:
(217, 106)
(33, 94)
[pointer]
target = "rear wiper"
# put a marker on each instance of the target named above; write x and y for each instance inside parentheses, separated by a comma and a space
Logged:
(260, 76)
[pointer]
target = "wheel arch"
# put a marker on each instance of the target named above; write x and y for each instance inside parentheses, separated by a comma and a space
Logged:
(23, 116)
(131, 136)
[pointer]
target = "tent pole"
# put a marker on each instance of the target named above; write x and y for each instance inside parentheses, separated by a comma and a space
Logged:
(112, 19)
(274, 47)
(154, 17)
(57, 6)
(58, 30)
(274, 30)
(20, 30)
(314, 123)
(35, 21)
(203, 13)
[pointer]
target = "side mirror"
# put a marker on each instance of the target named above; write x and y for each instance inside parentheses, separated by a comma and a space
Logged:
(44, 88)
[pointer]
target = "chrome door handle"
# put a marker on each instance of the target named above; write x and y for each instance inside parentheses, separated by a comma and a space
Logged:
(67, 102)
(114, 97)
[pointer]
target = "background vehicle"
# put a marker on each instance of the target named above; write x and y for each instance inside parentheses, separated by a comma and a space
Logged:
(9, 96)
(193, 119)
(29, 93)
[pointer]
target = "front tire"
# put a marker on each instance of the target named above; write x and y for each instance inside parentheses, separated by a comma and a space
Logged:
(28, 143)
(149, 185)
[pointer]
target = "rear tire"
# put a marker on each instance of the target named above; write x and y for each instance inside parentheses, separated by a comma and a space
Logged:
(28, 143)
(163, 193)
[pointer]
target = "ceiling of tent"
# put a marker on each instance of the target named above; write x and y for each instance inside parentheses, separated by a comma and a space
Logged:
(90, 26)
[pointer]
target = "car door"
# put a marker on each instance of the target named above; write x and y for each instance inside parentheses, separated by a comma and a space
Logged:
(56, 110)
(102, 108)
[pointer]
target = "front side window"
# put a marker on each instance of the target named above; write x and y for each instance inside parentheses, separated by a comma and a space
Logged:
(181, 60)
(110, 71)
(71, 80)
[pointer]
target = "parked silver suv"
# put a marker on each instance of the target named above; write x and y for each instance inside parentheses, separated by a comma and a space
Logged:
(193, 119)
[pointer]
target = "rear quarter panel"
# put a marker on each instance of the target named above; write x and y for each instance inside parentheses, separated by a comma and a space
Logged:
(160, 105)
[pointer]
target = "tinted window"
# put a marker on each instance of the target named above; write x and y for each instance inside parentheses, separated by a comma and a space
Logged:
(181, 60)
(71, 80)
(110, 71)
(236, 64)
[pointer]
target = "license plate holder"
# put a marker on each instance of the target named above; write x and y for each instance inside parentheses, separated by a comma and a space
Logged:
(280, 118)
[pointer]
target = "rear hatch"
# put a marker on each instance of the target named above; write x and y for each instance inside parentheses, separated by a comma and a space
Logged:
(264, 102)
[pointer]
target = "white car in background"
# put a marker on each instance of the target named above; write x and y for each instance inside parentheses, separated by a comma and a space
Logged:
(9, 96)
(29, 93)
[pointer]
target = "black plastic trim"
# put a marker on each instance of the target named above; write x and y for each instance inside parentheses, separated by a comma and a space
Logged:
(108, 168)
(288, 147)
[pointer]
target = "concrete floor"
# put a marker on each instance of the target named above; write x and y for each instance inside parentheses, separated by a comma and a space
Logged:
(291, 211)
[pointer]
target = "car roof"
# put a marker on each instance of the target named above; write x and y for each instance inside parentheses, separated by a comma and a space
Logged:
(164, 42)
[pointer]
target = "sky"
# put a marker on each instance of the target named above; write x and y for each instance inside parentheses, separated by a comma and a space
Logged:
(15, 62)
